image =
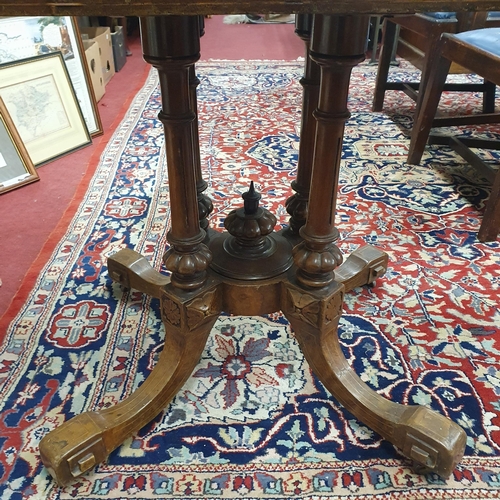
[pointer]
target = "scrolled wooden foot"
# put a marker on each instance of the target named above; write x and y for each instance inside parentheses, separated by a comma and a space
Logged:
(362, 267)
(74, 448)
(132, 270)
(431, 440)
(87, 439)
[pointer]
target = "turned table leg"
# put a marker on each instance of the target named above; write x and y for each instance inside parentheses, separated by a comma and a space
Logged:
(172, 45)
(296, 205)
(313, 304)
(318, 256)
(205, 206)
(189, 306)
(366, 264)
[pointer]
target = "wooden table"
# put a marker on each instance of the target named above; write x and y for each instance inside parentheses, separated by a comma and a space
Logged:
(249, 269)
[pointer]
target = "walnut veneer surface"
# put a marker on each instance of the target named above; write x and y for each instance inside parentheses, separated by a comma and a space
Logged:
(159, 7)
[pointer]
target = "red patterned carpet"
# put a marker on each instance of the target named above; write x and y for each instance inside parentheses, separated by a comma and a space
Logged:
(252, 421)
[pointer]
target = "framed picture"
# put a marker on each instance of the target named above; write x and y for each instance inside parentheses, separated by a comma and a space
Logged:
(25, 37)
(16, 167)
(43, 106)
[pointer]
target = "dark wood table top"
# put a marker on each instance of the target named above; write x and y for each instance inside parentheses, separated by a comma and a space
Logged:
(160, 7)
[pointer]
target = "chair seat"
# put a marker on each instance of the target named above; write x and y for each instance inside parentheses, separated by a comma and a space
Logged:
(443, 16)
(487, 39)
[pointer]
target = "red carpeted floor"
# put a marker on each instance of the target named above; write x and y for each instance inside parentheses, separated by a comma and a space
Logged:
(34, 217)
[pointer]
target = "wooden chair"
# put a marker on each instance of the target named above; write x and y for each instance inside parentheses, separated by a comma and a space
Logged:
(479, 52)
(417, 38)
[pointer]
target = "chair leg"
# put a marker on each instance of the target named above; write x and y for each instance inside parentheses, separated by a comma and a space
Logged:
(490, 227)
(430, 61)
(386, 49)
(429, 101)
(489, 97)
(376, 20)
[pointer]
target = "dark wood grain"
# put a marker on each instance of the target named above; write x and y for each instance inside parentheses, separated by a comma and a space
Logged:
(161, 7)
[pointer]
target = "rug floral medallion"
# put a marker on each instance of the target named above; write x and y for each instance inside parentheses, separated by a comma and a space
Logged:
(253, 421)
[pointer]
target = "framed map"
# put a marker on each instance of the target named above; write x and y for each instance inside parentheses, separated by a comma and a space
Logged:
(16, 167)
(25, 37)
(43, 106)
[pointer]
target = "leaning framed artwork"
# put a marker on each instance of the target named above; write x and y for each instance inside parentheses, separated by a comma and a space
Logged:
(24, 37)
(16, 167)
(43, 106)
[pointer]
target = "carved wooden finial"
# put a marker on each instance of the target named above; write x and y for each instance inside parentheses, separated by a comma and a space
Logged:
(250, 224)
(251, 200)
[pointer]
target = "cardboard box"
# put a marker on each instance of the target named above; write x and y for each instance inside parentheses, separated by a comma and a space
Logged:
(95, 70)
(102, 36)
(119, 49)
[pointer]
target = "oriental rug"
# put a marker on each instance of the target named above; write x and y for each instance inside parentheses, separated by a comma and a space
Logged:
(253, 421)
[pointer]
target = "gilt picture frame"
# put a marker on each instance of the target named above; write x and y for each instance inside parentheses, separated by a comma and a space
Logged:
(43, 106)
(16, 167)
(28, 36)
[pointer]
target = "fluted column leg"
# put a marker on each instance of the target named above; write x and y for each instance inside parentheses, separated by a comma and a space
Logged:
(205, 205)
(172, 45)
(336, 54)
(297, 204)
